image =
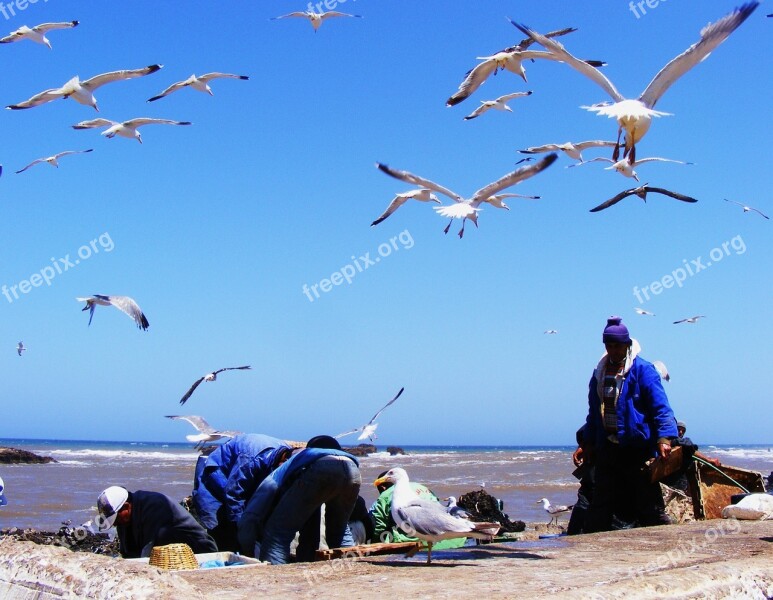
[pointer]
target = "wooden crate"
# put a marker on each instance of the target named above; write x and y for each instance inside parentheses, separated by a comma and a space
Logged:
(712, 491)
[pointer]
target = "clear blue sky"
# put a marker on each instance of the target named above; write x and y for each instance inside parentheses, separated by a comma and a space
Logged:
(215, 228)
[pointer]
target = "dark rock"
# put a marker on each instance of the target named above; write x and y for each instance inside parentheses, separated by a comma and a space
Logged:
(483, 507)
(14, 456)
(361, 450)
(394, 450)
(77, 539)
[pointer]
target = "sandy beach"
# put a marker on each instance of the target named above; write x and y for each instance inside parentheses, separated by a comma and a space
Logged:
(709, 559)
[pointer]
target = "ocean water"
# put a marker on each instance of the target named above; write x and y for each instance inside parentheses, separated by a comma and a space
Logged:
(45, 496)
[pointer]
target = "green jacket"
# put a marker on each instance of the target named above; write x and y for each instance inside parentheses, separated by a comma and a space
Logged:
(386, 530)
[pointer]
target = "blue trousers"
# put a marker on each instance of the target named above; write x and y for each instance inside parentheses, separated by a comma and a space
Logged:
(332, 481)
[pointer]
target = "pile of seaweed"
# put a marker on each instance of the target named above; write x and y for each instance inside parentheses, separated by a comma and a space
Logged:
(484, 507)
(77, 539)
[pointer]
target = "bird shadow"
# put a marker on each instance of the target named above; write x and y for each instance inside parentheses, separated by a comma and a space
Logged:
(767, 539)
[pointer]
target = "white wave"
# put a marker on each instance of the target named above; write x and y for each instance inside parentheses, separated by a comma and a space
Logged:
(131, 455)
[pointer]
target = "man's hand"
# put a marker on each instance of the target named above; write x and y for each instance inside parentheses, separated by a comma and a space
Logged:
(577, 457)
(664, 450)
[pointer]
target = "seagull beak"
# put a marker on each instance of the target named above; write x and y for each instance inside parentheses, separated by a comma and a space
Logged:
(381, 481)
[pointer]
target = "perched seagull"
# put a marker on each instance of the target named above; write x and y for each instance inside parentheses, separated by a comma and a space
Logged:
(551, 331)
(635, 116)
(748, 208)
(554, 511)
(690, 319)
(468, 209)
(500, 104)
(428, 520)
(54, 160)
(127, 129)
(625, 167)
(122, 303)
(454, 510)
(509, 59)
(315, 18)
(20, 348)
(83, 91)
(37, 33)
(206, 434)
(369, 429)
(660, 367)
(421, 194)
(572, 150)
(641, 192)
(210, 377)
(641, 311)
(200, 83)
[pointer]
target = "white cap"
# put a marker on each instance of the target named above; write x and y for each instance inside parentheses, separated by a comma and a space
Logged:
(3, 501)
(109, 503)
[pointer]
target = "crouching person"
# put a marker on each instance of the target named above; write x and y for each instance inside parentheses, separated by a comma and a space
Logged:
(289, 501)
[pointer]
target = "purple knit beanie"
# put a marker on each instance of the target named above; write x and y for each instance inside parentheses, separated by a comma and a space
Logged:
(615, 331)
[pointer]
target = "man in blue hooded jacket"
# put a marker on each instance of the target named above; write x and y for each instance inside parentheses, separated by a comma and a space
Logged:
(629, 421)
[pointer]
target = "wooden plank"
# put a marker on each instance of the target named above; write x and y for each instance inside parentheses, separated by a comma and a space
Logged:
(367, 550)
(662, 467)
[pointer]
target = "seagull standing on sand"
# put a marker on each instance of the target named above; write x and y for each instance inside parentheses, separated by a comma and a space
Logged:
(20, 348)
(572, 150)
(468, 209)
(36, 34)
(53, 160)
(625, 167)
(200, 83)
(421, 194)
(369, 429)
(748, 208)
(500, 104)
(316, 18)
(635, 115)
(210, 377)
(641, 311)
(690, 319)
(554, 511)
(206, 434)
(641, 192)
(83, 91)
(127, 129)
(427, 520)
(122, 303)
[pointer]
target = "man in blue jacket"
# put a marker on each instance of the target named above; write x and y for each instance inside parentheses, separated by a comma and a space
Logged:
(289, 501)
(229, 477)
(629, 421)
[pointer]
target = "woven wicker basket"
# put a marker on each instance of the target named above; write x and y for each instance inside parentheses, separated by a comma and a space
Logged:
(173, 557)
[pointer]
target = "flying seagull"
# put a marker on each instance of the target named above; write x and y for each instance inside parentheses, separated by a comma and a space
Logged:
(554, 511)
(429, 520)
(200, 83)
(54, 160)
(122, 303)
(83, 91)
(625, 167)
(635, 115)
(551, 331)
(509, 59)
(209, 377)
(641, 192)
(572, 150)
(206, 434)
(748, 208)
(315, 18)
(690, 319)
(662, 370)
(369, 429)
(127, 129)
(500, 104)
(20, 348)
(641, 311)
(37, 33)
(468, 209)
(421, 194)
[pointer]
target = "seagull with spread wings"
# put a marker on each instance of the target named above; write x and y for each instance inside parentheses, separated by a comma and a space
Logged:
(20, 347)
(369, 429)
(53, 160)
(200, 83)
(127, 129)
(748, 208)
(625, 167)
(83, 91)
(635, 115)
(641, 192)
(210, 377)
(36, 34)
(468, 208)
(206, 434)
(316, 19)
(122, 303)
(641, 311)
(690, 319)
(500, 104)
(572, 150)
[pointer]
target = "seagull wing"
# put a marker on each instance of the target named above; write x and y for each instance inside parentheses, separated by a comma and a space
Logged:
(472, 81)
(335, 13)
(131, 308)
(387, 404)
(674, 195)
(583, 67)
(94, 123)
(596, 159)
(759, 212)
(658, 159)
(32, 164)
(711, 36)
(134, 123)
(245, 367)
(38, 99)
(44, 27)
(420, 181)
(526, 42)
(191, 390)
(540, 149)
(297, 13)
(198, 422)
(594, 144)
(340, 435)
(393, 206)
(172, 88)
(512, 178)
(614, 200)
(215, 75)
(100, 80)
(68, 152)
(478, 111)
(508, 97)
